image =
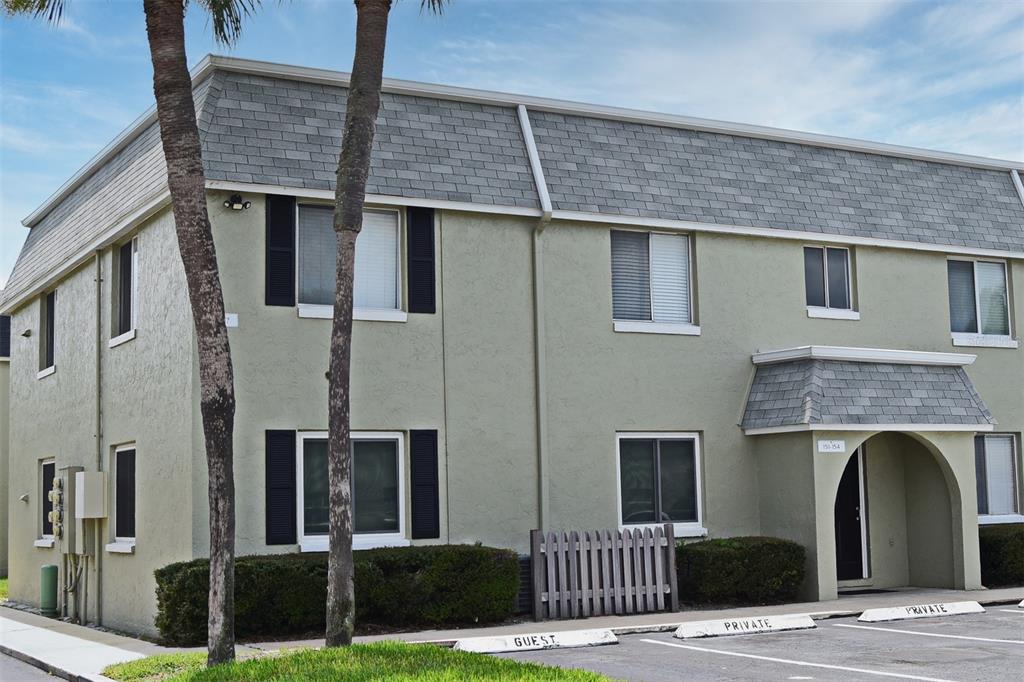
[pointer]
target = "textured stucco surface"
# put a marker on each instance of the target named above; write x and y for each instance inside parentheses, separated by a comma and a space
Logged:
(144, 381)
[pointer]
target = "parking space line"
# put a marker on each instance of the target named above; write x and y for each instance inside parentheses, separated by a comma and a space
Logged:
(929, 634)
(1018, 611)
(805, 664)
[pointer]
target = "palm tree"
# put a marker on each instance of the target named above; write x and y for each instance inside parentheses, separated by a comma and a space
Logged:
(349, 195)
(186, 181)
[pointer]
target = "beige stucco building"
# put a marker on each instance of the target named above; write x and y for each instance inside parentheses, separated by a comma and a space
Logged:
(567, 317)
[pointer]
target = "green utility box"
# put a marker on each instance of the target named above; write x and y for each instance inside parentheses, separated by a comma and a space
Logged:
(48, 590)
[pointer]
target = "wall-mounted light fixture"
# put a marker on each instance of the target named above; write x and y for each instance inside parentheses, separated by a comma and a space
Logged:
(235, 203)
(27, 333)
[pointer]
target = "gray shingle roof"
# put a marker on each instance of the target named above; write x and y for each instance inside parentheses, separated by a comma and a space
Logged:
(624, 168)
(837, 392)
(277, 132)
(264, 126)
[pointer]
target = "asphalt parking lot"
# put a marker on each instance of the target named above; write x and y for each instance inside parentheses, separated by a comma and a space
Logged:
(988, 646)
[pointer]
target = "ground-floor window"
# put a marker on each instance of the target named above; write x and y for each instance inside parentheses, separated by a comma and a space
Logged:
(659, 480)
(377, 489)
(997, 475)
(47, 472)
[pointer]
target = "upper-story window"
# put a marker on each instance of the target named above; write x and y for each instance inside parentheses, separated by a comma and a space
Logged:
(47, 334)
(828, 282)
(997, 477)
(979, 302)
(124, 292)
(377, 277)
(651, 283)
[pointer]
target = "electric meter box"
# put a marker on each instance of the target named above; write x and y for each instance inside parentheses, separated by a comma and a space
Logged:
(90, 495)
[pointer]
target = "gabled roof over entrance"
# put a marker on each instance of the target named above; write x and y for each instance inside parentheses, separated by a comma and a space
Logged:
(818, 387)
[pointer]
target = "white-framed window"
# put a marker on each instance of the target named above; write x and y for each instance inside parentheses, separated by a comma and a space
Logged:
(378, 489)
(828, 282)
(377, 286)
(659, 482)
(124, 499)
(48, 334)
(998, 477)
(124, 292)
(979, 302)
(652, 283)
(47, 472)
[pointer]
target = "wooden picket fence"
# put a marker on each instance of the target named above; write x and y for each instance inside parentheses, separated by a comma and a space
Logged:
(603, 572)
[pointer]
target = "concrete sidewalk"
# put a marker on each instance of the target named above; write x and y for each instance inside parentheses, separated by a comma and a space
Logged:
(75, 652)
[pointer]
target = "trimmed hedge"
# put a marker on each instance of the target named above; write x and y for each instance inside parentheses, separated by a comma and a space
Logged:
(747, 570)
(1002, 554)
(285, 594)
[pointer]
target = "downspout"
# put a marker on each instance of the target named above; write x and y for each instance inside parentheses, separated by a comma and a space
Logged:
(98, 548)
(539, 338)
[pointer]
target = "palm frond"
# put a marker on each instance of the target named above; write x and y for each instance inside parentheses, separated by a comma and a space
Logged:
(227, 16)
(53, 10)
(433, 6)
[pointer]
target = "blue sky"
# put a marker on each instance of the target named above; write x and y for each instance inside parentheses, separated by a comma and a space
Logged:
(939, 75)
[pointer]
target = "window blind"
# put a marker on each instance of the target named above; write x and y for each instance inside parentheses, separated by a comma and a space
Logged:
(376, 273)
(670, 278)
(317, 252)
(814, 276)
(631, 290)
(962, 316)
(999, 475)
(992, 299)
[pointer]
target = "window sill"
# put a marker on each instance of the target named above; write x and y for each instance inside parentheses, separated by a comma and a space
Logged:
(122, 338)
(43, 543)
(993, 519)
(635, 326)
(832, 313)
(984, 340)
(318, 543)
(43, 373)
(326, 312)
(121, 547)
(682, 530)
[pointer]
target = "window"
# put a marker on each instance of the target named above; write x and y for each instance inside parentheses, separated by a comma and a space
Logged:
(827, 282)
(47, 337)
(124, 291)
(48, 471)
(651, 282)
(124, 494)
(979, 302)
(995, 460)
(659, 481)
(377, 490)
(376, 285)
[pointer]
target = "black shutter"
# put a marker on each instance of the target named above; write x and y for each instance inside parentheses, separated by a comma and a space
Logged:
(981, 473)
(280, 283)
(420, 266)
(124, 494)
(280, 473)
(5, 336)
(426, 515)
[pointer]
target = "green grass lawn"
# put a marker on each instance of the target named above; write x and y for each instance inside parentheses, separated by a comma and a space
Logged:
(359, 663)
(3, 589)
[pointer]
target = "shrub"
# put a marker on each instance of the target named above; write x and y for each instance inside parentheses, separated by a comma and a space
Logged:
(1002, 554)
(285, 594)
(751, 570)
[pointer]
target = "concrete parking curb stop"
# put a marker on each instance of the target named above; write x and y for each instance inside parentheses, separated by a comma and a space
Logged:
(921, 611)
(535, 641)
(744, 626)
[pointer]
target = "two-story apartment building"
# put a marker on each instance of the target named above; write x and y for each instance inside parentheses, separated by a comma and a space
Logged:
(567, 316)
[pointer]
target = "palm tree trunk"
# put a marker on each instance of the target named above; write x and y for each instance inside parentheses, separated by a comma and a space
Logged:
(353, 169)
(180, 137)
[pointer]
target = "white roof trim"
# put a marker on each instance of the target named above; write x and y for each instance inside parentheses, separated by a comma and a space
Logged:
(210, 62)
(378, 199)
(969, 428)
(900, 357)
(778, 233)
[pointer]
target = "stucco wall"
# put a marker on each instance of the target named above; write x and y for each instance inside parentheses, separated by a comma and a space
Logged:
(142, 387)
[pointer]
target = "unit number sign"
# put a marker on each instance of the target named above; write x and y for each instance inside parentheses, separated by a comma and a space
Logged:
(831, 446)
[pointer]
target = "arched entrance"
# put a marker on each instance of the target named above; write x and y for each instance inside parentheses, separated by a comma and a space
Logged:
(893, 515)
